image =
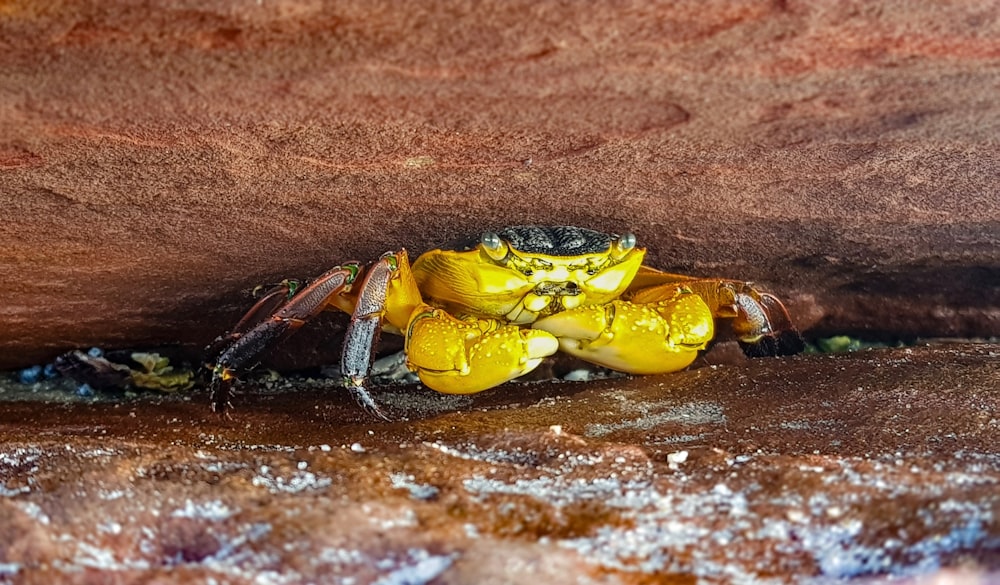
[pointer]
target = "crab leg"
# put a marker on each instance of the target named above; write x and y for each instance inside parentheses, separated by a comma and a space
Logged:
(363, 333)
(267, 304)
(385, 300)
(287, 317)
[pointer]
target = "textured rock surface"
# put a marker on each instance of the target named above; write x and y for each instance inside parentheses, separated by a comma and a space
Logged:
(817, 467)
(157, 159)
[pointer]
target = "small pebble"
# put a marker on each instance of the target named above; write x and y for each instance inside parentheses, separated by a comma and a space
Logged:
(794, 515)
(84, 390)
(677, 457)
(357, 448)
(30, 375)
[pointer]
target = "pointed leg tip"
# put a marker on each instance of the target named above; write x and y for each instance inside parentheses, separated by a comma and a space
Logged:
(362, 397)
(221, 388)
(791, 342)
(379, 414)
(223, 410)
(782, 343)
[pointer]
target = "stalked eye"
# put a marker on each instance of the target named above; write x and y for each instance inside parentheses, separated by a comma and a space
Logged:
(494, 246)
(622, 245)
(491, 241)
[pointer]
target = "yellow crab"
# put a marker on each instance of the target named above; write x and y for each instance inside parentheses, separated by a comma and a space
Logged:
(493, 308)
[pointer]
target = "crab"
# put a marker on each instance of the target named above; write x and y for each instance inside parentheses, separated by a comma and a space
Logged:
(492, 308)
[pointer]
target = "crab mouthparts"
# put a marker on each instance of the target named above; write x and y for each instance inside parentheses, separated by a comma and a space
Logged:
(557, 289)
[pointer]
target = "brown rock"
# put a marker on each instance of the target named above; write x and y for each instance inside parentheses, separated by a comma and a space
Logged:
(158, 160)
(860, 465)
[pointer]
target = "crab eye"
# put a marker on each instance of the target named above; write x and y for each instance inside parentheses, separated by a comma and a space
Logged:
(495, 247)
(491, 241)
(622, 245)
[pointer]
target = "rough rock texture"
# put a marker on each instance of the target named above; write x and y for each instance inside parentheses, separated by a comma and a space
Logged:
(157, 159)
(805, 469)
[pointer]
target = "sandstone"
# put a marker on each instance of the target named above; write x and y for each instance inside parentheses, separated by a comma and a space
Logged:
(157, 162)
(871, 464)
(160, 160)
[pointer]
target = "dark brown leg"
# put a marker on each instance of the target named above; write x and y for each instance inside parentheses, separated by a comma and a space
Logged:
(245, 343)
(265, 306)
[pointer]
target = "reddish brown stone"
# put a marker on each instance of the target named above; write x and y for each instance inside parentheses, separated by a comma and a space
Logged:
(157, 160)
(868, 464)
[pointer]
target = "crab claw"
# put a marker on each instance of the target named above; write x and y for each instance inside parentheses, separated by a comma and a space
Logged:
(651, 338)
(463, 357)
